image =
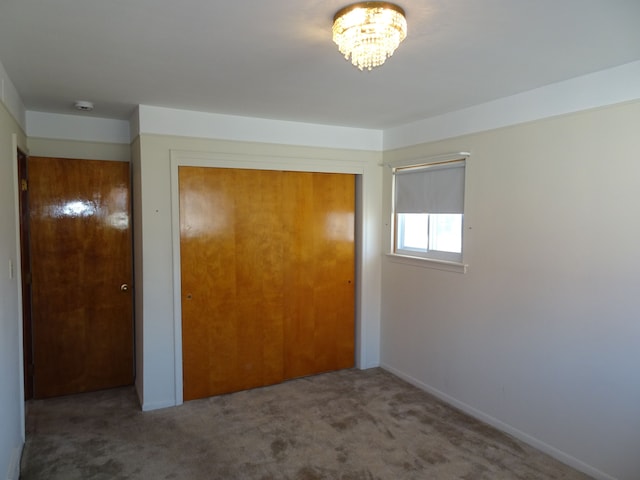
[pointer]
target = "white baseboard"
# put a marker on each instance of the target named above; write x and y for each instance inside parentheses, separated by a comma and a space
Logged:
(494, 422)
(147, 407)
(368, 366)
(14, 464)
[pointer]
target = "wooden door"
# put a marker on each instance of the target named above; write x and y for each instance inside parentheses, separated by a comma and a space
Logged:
(231, 280)
(81, 275)
(267, 268)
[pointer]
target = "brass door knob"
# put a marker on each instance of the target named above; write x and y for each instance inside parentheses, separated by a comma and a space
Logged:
(124, 287)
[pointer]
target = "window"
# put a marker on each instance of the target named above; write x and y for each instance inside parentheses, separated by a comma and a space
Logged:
(429, 210)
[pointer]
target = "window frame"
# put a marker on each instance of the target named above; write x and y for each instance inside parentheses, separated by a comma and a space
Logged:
(437, 259)
(422, 253)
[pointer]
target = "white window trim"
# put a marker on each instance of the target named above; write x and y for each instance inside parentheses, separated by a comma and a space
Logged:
(418, 162)
(428, 263)
(419, 261)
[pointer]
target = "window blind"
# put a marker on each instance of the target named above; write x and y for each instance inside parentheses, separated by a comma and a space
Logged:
(436, 188)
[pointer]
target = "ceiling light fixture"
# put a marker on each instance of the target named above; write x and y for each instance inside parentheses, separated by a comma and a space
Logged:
(369, 32)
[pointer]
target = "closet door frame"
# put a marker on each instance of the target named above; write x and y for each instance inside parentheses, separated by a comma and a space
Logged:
(362, 172)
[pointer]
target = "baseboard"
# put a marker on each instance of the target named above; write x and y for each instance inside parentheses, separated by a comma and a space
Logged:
(494, 422)
(147, 407)
(368, 366)
(14, 464)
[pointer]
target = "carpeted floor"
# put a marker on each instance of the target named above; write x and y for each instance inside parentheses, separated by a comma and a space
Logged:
(347, 425)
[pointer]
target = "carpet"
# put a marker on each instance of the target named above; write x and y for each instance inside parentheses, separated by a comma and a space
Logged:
(346, 425)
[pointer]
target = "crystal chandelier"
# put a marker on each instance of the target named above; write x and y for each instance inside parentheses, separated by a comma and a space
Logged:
(369, 32)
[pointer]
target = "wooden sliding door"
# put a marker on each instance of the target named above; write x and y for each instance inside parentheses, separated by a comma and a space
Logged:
(319, 329)
(267, 268)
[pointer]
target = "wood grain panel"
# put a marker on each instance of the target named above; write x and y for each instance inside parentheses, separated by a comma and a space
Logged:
(319, 331)
(81, 255)
(299, 326)
(232, 297)
(267, 262)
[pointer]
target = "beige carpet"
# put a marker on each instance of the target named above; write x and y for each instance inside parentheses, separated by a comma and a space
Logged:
(347, 425)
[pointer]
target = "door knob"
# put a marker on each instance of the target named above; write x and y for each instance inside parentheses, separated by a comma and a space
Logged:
(124, 287)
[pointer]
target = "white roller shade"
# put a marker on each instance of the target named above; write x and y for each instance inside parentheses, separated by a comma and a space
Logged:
(437, 188)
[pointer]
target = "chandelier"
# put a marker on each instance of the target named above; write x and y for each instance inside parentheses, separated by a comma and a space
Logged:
(369, 32)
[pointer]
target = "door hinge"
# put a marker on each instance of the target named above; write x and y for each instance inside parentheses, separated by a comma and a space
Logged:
(30, 369)
(23, 185)
(27, 278)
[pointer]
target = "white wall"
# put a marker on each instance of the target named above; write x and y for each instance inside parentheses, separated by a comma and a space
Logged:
(11, 389)
(77, 127)
(186, 123)
(59, 148)
(11, 100)
(598, 89)
(542, 336)
(77, 136)
(156, 293)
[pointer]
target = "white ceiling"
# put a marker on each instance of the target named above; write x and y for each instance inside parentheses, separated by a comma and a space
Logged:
(275, 58)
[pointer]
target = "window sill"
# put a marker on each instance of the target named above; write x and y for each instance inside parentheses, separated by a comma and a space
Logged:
(428, 263)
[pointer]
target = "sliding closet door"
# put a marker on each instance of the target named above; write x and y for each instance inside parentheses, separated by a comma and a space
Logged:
(319, 322)
(232, 280)
(267, 262)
